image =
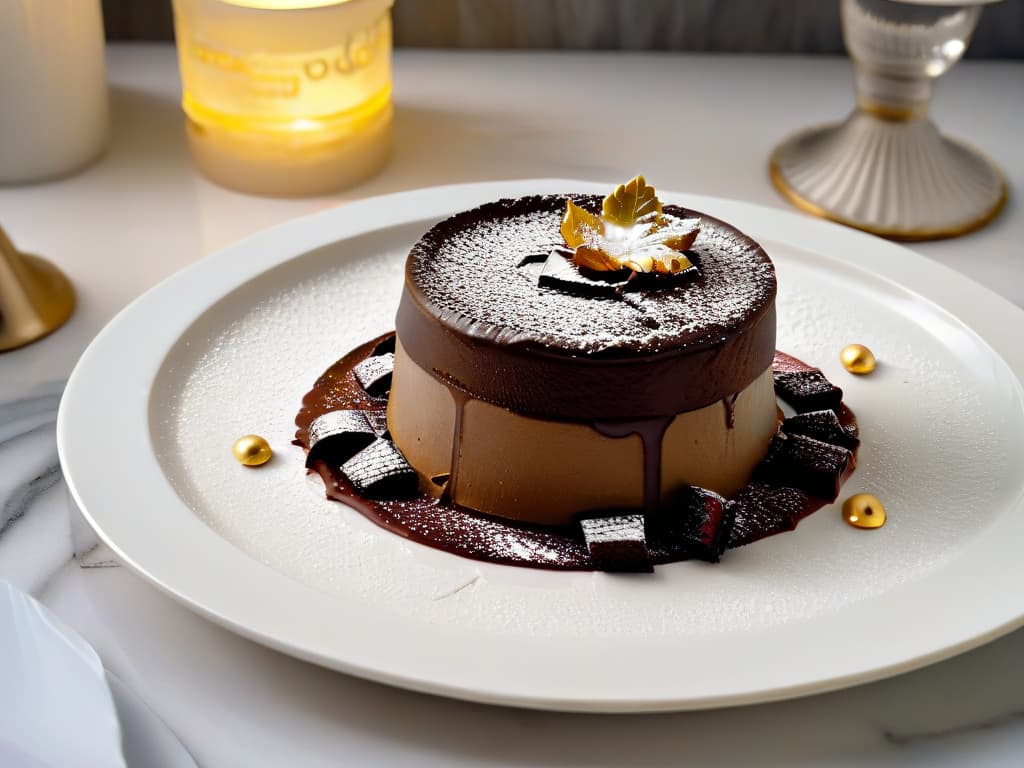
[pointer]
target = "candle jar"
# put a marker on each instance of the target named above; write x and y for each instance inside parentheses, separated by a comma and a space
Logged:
(286, 97)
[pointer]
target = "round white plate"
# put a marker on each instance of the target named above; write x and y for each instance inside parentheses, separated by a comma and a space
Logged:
(230, 345)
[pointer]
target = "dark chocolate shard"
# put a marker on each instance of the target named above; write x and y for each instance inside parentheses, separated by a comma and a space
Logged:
(378, 420)
(559, 272)
(380, 471)
(696, 519)
(797, 461)
(617, 543)
(647, 281)
(386, 345)
(821, 425)
(374, 373)
(808, 391)
(762, 510)
(709, 521)
(541, 257)
(337, 436)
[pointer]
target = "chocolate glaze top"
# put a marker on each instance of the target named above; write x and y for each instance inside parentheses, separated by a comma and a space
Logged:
(473, 314)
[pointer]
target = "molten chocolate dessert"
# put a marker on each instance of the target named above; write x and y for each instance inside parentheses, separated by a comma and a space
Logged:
(578, 383)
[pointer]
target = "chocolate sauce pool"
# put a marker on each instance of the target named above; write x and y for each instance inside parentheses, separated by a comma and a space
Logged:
(454, 529)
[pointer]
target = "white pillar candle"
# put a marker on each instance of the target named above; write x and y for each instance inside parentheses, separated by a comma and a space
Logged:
(53, 87)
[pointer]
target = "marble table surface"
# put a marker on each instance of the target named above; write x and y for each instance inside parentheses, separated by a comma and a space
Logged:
(142, 212)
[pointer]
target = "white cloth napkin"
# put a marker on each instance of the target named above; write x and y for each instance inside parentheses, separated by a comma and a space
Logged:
(40, 528)
(62, 712)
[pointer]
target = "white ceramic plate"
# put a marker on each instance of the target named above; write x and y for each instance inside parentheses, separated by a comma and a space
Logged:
(230, 345)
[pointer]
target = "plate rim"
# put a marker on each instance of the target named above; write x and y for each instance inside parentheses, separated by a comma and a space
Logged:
(212, 277)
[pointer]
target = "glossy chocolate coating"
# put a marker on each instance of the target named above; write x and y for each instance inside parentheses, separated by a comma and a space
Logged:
(550, 353)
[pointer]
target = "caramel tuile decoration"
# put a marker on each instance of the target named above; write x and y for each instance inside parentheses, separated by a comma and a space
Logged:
(579, 225)
(597, 260)
(630, 233)
(35, 297)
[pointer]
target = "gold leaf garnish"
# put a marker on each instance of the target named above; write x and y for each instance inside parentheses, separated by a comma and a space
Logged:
(631, 203)
(592, 258)
(631, 233)
(579, 225)
(680, 242)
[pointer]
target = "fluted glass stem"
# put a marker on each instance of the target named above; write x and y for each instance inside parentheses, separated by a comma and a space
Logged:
(890, 96)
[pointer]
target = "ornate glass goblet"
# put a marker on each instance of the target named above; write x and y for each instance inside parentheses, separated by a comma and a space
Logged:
(886, 168)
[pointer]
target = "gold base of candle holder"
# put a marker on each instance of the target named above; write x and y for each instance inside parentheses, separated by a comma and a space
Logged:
(35, 297)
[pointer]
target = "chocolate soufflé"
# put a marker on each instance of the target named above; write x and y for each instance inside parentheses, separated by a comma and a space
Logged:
(541, 402)
(530, 412)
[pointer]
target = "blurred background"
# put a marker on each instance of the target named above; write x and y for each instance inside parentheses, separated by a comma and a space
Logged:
(737, 26)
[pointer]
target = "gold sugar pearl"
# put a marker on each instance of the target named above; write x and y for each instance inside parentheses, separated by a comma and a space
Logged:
(864, 511)
(252, 450)
(858, 359)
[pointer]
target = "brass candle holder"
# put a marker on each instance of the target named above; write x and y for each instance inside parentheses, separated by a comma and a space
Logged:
(887, 169)
(35, 297)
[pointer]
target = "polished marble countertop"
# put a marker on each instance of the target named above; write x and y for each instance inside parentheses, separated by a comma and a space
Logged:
(142, 212)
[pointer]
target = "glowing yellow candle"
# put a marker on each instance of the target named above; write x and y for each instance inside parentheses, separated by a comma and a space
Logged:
(286, 97)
